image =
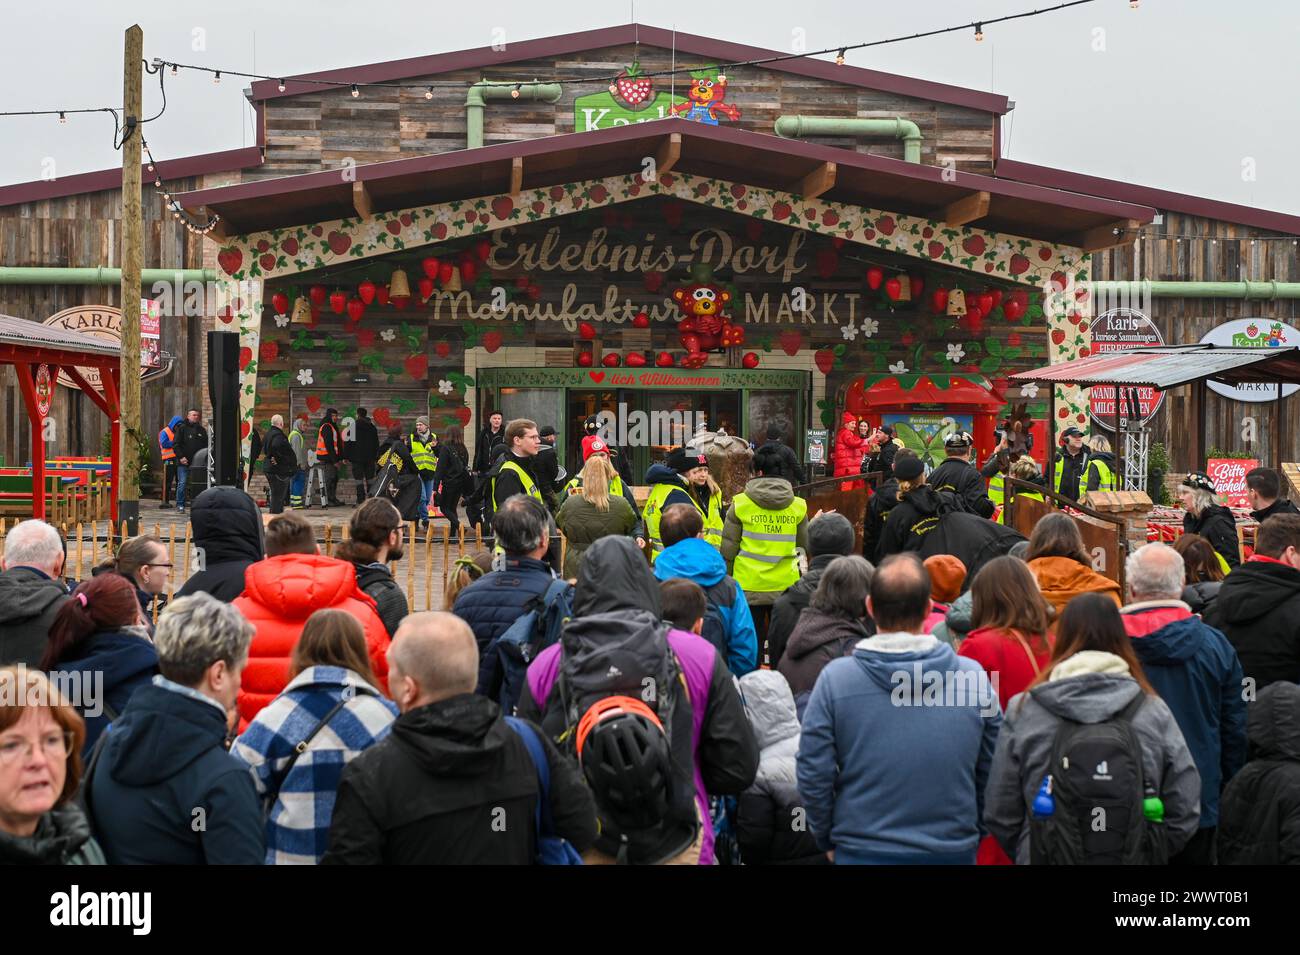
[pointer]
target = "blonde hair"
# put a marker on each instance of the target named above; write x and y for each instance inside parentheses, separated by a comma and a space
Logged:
(1025, 468)
(596, 475)
(906, 487)
(1099, 443)
(468, 568)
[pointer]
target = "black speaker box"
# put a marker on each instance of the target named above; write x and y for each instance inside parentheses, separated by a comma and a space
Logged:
(223, 392)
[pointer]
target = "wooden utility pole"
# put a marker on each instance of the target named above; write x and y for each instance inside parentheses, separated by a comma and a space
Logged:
(132, 229)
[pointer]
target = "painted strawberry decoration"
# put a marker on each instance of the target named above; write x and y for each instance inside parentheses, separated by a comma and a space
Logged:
(611, 360)
(893, 288)
(244, 429)
(791, 342)
(468, 271)
(416, 366)
(935, 249)
(985, 302)
(317, 294)
(430, 264)
(973, 245)
(269, 351)
(356, 308)
(289, 246)
(636, 359)
(502, 206)
(338, 302)
(442, 348)
(632, 86)
(245, 356)
(586, 330)
(267, 261)
(365, 337)
(1018, 265)
(1058, 336)
(482, 250)
(280, 302)
(366, 291)
(382, 416)
(874, 277)
(781, 211)
(230, 259)
(492, 341)
(886, 225)
(584, 359)
(393, 226)
(665, 360)
(339, 242)
(313, 404)
(445, 271)
(641, 320)
(1013, 309)
(825, 359)
(750, 359)
(1014, 339)
(463, 414)
(996, 293)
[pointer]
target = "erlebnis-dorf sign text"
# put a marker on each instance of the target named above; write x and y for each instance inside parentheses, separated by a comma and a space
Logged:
(597, 253)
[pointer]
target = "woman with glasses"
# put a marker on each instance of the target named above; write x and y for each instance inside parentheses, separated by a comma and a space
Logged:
(40, 769)
(100, 647)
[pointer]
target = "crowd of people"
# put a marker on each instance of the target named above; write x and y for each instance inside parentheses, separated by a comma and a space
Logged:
(691, 683)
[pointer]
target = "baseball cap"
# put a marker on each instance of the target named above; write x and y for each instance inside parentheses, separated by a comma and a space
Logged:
(908, 469)
(1072, 433)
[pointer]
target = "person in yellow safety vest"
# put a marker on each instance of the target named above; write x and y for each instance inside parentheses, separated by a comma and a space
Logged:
(423, 444)
(167, 453)
(1099, 472)
(1070, 469)
(1024, 469)
(594, 444)
(682, 478)
(513, 474)
(765, 538)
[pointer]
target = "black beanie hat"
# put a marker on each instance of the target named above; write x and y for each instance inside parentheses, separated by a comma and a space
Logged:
(831, 534)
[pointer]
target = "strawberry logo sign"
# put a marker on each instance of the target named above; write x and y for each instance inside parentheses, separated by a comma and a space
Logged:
(632, 86)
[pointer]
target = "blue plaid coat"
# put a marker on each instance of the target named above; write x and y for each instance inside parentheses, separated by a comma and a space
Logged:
(298, 824)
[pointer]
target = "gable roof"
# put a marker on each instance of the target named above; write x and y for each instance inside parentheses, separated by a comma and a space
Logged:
(1147, 196)
(718, 152)
(686, 45)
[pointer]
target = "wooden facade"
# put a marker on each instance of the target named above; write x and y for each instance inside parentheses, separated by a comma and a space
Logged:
(1187, 248)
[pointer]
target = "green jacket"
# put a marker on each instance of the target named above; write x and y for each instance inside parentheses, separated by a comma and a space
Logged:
(583, 525)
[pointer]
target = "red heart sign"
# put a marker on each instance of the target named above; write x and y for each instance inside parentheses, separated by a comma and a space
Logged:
(597, 376)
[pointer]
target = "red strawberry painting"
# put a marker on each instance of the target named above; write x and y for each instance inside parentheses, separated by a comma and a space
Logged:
(825, 359)
(339, 242)
(245, 356)
(338, 302)
(244, 429)
(632, 86)
(382, 416)
(492, 341)
(599, 194)
(1018, 265)
(442, 349)
(317, 231)
(781, 211)
(366, 291)
(665, 360)
(463, 415)
(874, 277)
(417, 366)
(393, 226)
(313, 405)
(791, 342)
(1014, 339)
(586, 330)
(830, 217)
(935, 249)
(1058, 336)
(885, 225)
(267, 261)
(426, 288)
(280, 302)
(317, 294)
(269, 351)
(502, 206)
(482, 250)
(539, 207)
(263, 245)
(356, 308)
(289, 246)
(973, 245)
(641, 320)
(439, 230)
(1044, 253)
(430, 266)
(472, 216)
(230, 259)
(636, 359)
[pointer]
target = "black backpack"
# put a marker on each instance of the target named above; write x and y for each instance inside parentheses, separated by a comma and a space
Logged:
(971, 539)
(600, 662)
(1098, 785)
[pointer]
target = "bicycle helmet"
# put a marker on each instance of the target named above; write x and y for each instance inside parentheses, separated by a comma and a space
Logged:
(624, 755)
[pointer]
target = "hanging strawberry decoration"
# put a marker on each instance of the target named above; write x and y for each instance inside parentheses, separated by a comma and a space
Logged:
(381, 295)
(425, 285)
(894, 288)
(985, 302)
(317, 294)
(338, 301)
(918, 286)
(825, 359)
(584, 359)
(641, 320)
(483, 250)
(973, 320)
(874, 277)
(939, 300)
(445, 271)
(1013, 309)
(750, 359)
(280, 302)
(356, 308)
(997, 297)
(431, 266)
(366, 291)
(632, 86)
(468, 271)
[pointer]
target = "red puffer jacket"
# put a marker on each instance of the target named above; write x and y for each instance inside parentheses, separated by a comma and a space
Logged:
(848, 447)
(280, 593)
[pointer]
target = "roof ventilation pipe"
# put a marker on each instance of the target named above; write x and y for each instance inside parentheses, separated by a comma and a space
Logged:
(484, 90)
(796, 127)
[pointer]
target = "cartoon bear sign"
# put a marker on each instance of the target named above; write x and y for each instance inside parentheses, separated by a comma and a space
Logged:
(704, 326)
(707, 93)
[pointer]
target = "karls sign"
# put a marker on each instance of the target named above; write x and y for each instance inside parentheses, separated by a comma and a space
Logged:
(1253, 333)
(105, 322)
(1116, 330)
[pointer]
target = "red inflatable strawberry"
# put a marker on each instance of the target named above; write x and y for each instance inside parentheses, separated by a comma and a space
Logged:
(317, 294)
(280, 302)
(338, 302)
(366, 291)
(356, 308)
(611, 360)
(431, 266)
(641, 320)
(750, 359)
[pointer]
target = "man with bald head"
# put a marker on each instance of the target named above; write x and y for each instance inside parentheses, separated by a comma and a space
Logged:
(31, 592)
(454, 783)
(281, 464)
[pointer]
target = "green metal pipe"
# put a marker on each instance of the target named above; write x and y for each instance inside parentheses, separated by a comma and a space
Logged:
(794, 127)
(40, 275)
(481, 92)
(1268, 291)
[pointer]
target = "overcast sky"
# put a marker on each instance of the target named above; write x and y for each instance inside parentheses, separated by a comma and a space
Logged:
(1187, 95)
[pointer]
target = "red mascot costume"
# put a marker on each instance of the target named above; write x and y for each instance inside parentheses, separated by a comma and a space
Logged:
(849, 447)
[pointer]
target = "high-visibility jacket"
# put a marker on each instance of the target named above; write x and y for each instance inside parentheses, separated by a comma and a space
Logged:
(654, 509)
(575, 486)
(330, 450)
(766, 560)
(998, 495)
(530, 486)
(1105, 477)
(422, 453)
(167, 444)
(1058, 470)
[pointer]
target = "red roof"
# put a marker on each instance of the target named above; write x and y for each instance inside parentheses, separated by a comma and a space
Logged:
(889, 392)
(687, 45)
(1147, 196)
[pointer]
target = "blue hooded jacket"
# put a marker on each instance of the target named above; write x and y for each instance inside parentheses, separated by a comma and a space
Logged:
(696, 559)
(895, 753)
(127, 661)
(663, 474)
(1196, 672)
(163, 441)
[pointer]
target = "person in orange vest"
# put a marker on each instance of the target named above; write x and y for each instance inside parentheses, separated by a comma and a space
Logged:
(329, 449)
(167, 454)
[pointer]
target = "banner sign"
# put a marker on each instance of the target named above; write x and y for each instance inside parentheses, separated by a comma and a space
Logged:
(1117, 330)
(1252, 333)
(816, 443)
(1229, 477)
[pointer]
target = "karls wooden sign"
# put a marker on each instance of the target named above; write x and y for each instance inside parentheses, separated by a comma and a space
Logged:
(105, 322)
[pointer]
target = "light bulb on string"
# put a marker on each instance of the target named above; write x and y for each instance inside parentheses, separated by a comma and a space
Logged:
(514, 93)
(979, 33)
(280, 85)
(216, 77)
(63, 117)
(428, 93)
(839, 58)
(175, 70)
(355, 92)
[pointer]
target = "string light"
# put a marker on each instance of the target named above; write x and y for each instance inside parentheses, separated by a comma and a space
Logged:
(172, 203)
(428, 93)
(216, 77)
(588, 80)
(280, 86)
(1133, 4)
(514, 93)
(839, 58)
(355, 92)
(63, 117)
